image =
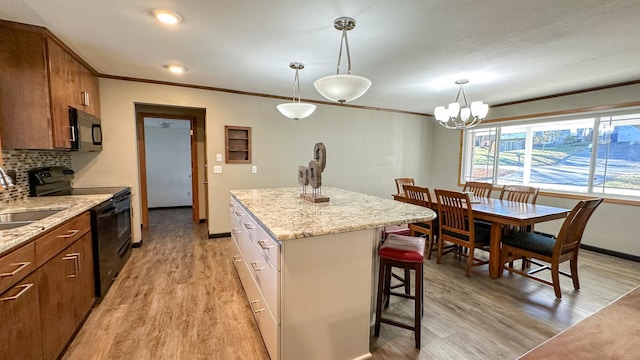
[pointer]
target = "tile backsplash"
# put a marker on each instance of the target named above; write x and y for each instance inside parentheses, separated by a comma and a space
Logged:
(23, 160)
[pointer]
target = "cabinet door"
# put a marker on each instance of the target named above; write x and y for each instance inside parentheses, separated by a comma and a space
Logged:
(20, 335)
(56, 302)
(89, 85)
(84, 288)
(24, 95)
(62, 85)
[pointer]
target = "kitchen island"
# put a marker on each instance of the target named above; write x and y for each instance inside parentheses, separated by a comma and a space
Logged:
(308, 268)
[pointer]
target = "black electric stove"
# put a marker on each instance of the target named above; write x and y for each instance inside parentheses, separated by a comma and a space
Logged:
(110, 221)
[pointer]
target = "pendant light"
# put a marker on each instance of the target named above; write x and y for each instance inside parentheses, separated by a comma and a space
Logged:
(458, 118)
(296, 110)
(343, 87)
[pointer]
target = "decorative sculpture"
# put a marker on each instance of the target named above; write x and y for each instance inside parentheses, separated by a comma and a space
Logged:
(312, 175)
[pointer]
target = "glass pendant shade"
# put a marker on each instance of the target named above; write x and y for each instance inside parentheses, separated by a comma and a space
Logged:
(296, 110)
(342, 88)
(460, 118)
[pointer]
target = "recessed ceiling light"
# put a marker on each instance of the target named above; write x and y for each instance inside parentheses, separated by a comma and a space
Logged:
(167, 16)
(176, 69)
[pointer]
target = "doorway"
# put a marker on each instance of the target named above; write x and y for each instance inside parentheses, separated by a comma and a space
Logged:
(171, 154)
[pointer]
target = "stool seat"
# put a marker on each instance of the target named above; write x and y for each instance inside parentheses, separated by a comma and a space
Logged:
(403, 248)
(404, 252)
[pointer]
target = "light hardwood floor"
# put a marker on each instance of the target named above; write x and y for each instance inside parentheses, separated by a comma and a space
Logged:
(179, 297)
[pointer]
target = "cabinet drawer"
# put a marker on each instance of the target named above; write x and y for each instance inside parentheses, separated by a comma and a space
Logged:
(16, 265)
(266, 277)
(266, 323)
(269, 247)
(51, 243)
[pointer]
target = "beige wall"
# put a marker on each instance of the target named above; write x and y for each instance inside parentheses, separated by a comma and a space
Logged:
(613, 227)
(366, 149)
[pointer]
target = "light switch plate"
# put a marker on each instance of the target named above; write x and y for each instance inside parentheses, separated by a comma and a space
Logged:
(218, 157)
(217, 169)
(254, 169)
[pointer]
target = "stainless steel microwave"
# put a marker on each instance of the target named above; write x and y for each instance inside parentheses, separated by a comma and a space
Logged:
(86, 131)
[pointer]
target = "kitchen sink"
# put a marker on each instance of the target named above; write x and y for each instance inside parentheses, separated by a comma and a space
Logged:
(13, 225)
(25, 216)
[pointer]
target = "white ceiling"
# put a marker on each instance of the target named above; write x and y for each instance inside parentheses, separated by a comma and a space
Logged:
(412, 50)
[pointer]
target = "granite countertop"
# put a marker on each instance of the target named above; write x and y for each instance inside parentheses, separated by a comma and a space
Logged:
(69, 206)
(286, 216)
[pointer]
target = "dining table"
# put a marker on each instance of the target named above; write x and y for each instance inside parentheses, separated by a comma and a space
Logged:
(501, 213)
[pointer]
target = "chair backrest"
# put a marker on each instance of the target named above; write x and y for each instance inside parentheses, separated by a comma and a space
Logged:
(418, 195)
(570, 234)
(455, 215)
(479, 189)
(403, 181)
(519, 193)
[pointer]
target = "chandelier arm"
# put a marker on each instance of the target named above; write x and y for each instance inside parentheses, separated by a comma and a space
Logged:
(458, 94)
(464, 96)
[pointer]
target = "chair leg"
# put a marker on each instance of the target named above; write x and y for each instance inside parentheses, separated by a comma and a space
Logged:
(574, 272)
(418, 304)
(555, 278)
(430, 246)
(470, 261)
(439, 257)
(407, 282)
(381, 281)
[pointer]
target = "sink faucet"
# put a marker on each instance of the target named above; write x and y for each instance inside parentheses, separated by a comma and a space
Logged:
(5, 180)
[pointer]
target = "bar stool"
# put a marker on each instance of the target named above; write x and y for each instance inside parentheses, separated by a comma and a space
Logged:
(405, 252)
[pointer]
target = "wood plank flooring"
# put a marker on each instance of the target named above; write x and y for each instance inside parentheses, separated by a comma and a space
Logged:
(179, 297)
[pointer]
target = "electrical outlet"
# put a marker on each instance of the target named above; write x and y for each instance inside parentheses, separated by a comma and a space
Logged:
(217, 169)
(254, 169)
(218, 157)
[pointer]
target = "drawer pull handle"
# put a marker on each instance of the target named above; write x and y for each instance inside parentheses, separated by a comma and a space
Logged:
(263, 245)
(237, 258)
(235, 230)
(20, 265)
(232, 205)
(76, 263)
(249, 226)
(254, 309)
(70, 233)
(24, 287)
(254, 266)
(238, 213)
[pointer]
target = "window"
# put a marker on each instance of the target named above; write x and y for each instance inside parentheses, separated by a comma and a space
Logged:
(597, 153)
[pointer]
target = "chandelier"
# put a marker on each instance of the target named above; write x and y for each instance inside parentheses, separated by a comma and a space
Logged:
(343, 87)
(458, 118)
(296, 110)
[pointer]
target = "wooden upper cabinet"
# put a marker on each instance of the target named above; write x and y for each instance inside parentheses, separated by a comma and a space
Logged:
(43, 80)
(24, 90)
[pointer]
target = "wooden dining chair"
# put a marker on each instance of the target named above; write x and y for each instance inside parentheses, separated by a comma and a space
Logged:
(457, 227)
(403, 181)
(519, 193)
(421, 196)
(550, 249)
(479, 189)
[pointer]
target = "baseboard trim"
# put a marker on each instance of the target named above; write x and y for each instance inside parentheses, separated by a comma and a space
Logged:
(136, 244)
(219, 235)
(611, 252)
(202, 221)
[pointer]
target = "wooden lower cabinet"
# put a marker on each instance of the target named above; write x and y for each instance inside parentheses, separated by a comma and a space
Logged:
(21, 333)
(66, 294)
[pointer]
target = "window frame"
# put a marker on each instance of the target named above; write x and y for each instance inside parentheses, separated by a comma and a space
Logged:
(530, 119)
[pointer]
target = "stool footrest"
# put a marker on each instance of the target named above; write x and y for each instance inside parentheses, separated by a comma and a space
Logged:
(396, 323)
(402, 295)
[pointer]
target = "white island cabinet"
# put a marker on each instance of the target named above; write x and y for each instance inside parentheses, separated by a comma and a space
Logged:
(307, 269)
